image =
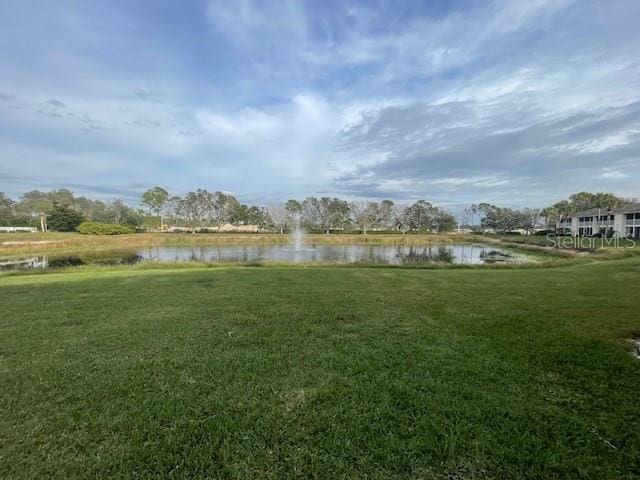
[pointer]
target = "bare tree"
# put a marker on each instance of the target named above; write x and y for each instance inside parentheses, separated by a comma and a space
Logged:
(466, 218)
(362, 215)
(371, 215)
(402, 215)
(279, 216)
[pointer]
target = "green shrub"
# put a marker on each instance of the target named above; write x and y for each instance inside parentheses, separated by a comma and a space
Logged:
(97, 228)
(63, 218)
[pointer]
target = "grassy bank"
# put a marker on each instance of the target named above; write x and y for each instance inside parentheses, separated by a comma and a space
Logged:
(321, 372)
(578, 243)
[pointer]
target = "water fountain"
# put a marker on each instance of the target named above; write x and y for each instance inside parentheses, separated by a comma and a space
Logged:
(297, 236)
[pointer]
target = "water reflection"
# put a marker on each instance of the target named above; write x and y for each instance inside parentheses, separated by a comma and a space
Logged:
(469, 254)
(61, 261)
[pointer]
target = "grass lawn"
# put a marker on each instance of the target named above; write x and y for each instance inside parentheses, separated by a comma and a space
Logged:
(321, 372)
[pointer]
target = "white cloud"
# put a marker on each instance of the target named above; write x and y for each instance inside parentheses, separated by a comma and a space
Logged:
(486, 181)
(612, 173)
(361, 99)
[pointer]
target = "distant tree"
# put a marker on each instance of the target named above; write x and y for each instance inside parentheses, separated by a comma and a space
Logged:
(506, 219)
(278, 216)
(362, 215)
(155, 200)
(551, 217)
(310, 214)
(120, 214)
(556, 213)
(9, 216)
(243, 214)
(475, 211)
(372, 215)
(402, 217)
(6, 206)
(586, 200)
(443, 221)
(239, 214)
(223, 207)
(386, 212)
(334, 213)
(258, 216)
(172, 209)
(293, 207)
(294, 213)
(92, 210)
(63, 218)
(421, 216)
(117, 210)
(35, 204)
(529, 219)
(61, 196)
(494, 217)
(195, 208)
(466, 218)
(248, 212)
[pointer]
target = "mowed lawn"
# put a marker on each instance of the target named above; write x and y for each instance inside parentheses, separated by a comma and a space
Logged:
(321, 373)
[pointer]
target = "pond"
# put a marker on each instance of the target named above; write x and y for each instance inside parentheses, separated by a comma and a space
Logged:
(466, 254)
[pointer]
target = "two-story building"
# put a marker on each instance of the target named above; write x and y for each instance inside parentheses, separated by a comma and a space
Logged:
(621, 221)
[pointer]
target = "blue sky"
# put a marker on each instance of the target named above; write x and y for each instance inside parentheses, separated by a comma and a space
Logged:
(512, 102)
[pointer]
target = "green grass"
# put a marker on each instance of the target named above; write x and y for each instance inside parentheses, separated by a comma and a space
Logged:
(321, 372)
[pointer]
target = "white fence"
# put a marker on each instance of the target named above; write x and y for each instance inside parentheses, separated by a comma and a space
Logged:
(18, 229)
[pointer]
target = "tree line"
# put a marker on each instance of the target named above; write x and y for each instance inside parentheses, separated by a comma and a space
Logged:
(61, 210)
(326, 214)
(201, 209)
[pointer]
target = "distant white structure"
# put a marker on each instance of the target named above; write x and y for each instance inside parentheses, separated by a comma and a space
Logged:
(18, 229)
(622, 222)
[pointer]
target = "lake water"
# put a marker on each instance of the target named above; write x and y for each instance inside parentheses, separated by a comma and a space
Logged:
(467, 254)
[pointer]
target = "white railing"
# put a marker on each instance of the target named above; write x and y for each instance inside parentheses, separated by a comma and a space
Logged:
(18, 229)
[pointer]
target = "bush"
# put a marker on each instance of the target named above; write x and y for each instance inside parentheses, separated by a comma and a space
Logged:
(63, 218)
(15, 222)
(97, 228)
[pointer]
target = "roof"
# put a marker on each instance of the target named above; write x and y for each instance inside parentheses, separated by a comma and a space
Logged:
(593, 211)
(627, 208)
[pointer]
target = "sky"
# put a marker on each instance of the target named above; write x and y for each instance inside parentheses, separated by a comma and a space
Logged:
(513, 102)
